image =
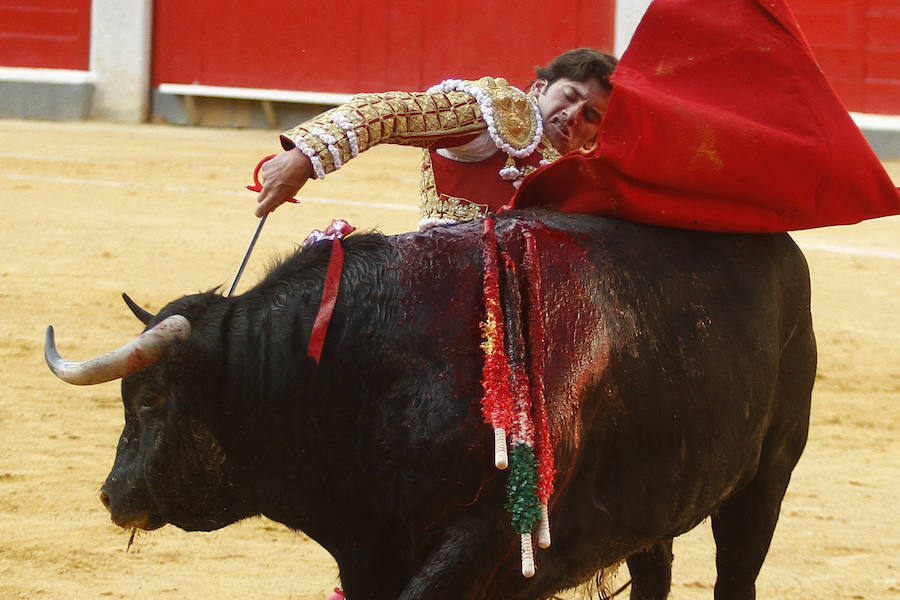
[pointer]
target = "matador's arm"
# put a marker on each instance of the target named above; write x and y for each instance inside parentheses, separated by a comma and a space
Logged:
(448, 115)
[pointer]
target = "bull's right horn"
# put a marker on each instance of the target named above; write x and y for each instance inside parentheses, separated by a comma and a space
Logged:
(140, 353)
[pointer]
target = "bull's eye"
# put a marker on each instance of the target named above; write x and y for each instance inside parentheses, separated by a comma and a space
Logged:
(150, 402)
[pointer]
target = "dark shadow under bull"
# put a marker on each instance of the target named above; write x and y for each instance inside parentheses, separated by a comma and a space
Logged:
(678, 373)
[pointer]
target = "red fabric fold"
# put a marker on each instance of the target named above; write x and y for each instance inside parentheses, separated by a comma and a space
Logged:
(720, 119)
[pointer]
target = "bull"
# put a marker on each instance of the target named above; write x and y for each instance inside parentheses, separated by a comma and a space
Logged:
(678, 372)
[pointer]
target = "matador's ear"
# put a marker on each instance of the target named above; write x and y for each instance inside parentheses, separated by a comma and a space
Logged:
(538, 86)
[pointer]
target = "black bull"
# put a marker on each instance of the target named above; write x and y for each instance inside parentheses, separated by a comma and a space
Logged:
(679, 367)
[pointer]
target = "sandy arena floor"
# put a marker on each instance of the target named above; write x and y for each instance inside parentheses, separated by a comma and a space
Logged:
(93, 209)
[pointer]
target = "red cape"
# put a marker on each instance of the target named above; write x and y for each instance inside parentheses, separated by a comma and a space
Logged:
(720, 119)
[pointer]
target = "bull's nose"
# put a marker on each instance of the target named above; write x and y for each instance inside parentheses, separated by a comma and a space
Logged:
(128, 511)
(104, 499)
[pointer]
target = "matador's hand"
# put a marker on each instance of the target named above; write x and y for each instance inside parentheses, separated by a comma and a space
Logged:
(283, 176)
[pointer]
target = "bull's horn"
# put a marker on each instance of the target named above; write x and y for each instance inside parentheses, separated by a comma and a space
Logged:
(144, 315)
(140, 353)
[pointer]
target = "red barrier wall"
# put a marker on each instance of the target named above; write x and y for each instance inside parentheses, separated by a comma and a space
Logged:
(45, 33)
(360, 45)
(857, 44)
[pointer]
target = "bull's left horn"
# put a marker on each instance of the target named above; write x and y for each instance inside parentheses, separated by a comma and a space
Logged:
(144, 315)
(140, 353)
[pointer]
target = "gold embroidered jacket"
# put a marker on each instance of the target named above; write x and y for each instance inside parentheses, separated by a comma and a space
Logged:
(448, 115)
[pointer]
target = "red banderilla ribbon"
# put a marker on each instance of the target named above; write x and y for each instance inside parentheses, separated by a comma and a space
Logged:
(335, 232)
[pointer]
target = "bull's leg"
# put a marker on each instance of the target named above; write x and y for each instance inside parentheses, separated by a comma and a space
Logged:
(651, 572)
(744, 524)
(743, 530)
(456, 569)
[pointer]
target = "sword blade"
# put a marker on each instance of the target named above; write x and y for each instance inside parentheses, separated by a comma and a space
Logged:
(240, 272)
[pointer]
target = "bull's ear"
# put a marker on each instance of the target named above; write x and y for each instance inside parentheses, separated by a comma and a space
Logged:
(145, 316)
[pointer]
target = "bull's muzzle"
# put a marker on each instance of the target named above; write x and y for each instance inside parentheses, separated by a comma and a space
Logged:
(140, 353)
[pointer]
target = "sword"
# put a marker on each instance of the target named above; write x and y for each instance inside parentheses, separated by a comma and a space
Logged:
(256, 187)
(262, 221)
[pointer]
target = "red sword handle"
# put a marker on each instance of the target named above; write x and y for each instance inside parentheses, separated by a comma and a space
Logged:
(257, 186)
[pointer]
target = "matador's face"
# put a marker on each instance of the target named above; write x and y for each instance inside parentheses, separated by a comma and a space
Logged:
(571, 111)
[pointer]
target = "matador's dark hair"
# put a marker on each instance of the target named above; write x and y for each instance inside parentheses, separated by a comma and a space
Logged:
(580, 64)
